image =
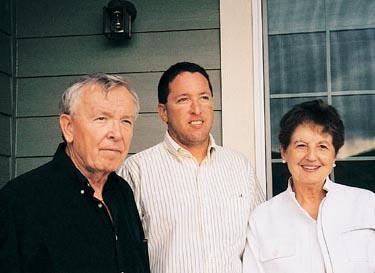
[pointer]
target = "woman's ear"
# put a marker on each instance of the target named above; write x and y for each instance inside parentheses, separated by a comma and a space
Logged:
(283, 154)
(66, 125)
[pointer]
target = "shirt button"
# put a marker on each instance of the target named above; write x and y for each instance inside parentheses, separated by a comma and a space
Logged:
(82, 191)
(100, 205)
(116, 237)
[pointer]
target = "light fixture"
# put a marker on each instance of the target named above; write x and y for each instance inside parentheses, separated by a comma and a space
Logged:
(118, 17)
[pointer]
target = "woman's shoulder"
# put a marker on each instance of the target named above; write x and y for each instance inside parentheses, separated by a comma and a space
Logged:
(354, 192)
(274, 206)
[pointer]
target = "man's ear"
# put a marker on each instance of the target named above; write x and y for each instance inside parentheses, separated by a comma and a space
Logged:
(66, 127)
(162, 110)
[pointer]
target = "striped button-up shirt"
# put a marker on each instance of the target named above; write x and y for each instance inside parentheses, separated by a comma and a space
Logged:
(195, 217)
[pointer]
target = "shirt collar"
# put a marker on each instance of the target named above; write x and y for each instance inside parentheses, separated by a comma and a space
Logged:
(63, 161)
(327, 185)
(179, 152)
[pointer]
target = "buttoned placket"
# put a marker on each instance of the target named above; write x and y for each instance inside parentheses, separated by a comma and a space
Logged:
(108, 215)
(203, 195)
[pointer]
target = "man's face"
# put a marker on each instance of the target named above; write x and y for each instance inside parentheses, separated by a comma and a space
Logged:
(189, 110)
(100, 130)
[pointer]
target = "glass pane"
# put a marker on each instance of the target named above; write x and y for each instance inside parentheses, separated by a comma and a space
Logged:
(356, 173)
(353, 59)
(297, 63)
(357, 113)
(299, 60)
(280, 176)
(344, 13)
(278, 108)
(285, 16)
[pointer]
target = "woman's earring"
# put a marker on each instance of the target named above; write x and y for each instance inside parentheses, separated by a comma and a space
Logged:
(334, 165)
(283, 161)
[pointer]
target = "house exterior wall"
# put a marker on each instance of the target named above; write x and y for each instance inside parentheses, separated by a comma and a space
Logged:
(58, 41)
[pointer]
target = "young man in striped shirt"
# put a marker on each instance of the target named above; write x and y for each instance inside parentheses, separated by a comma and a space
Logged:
(194, 197)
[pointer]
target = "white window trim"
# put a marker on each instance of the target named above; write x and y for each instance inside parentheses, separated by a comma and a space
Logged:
(243, 98)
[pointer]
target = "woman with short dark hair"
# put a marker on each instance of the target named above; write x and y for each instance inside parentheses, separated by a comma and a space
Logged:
(316, 225)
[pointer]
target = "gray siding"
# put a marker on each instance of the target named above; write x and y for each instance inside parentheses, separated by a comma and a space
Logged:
(5, 53)
(5, 17)
(84, 17)
(144, 52)
(5, 170)
(6, 71)
(5, 124)
(5, 93)
(54, 50)
(5, 149)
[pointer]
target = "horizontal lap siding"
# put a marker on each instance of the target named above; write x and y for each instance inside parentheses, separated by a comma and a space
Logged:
(40, 96)
(25, 164)
(5, 144)
(5, 53)
(144, 52)
(70, 17)
(39, 136)
(6, 109)
(5, 138)
(55, 50)
(5, 94)
(5, 170)
(5, 17)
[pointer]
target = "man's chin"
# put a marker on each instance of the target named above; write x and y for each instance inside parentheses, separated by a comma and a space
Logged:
(111, 166)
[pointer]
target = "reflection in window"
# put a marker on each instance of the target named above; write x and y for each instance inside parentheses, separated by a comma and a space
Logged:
(356, 173)
(297, 63)
(357, 112)
(325, 49)
(353, 59)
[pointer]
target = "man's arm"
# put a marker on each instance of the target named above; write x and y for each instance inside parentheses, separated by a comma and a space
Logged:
(9, 255)
(130, 172)
(251, 261)
(257, 191)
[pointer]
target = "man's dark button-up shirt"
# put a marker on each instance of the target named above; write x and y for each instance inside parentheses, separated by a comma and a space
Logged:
(51, 223)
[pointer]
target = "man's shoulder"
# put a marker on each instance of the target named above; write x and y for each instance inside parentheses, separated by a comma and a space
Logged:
(32, 177)
(229, 151)
(120, 183)
(147, 154)
(31, 183)
(230, 154)
(145, 157)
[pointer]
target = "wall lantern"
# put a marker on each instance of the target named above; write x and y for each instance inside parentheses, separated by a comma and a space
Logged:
(118, 17)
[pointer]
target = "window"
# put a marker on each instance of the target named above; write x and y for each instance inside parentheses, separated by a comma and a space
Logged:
(324, 49)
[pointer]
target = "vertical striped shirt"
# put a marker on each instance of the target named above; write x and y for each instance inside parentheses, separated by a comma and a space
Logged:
(195, 217)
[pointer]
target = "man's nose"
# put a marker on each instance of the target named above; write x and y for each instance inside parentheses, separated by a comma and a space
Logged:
(196, 106)
(114, 129)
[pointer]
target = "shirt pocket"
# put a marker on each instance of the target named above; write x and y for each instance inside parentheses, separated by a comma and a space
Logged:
(228, 219)
(359, 242)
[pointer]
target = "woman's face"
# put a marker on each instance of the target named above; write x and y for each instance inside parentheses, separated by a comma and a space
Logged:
(310, 155)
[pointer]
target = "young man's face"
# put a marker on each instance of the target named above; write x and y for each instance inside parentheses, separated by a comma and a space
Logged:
(100, 131)
(189, 110)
